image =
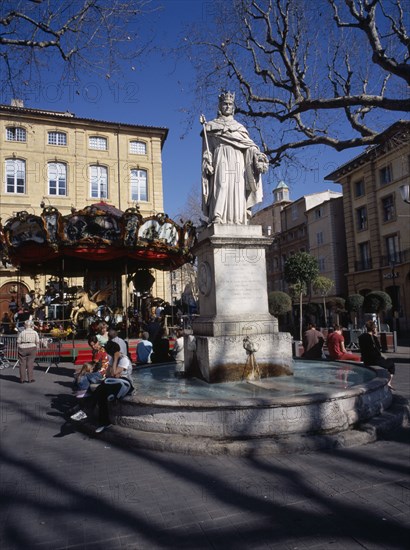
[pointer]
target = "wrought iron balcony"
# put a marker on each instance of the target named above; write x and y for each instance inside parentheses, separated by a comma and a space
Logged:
(395, 258)
(363, 265)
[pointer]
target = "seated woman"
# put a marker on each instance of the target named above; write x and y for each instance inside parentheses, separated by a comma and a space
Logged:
(370, 348)
(336, 346)
(116, 385)
(117, 358)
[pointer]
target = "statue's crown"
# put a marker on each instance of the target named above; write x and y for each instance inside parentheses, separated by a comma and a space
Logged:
(227, 96)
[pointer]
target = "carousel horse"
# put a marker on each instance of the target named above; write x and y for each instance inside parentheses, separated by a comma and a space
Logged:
(85, 305)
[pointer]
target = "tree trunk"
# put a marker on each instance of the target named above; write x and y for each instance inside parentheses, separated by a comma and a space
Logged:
(300, 316)
(324, 310)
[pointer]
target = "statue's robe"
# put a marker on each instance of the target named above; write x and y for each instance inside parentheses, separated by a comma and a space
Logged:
(235, 186)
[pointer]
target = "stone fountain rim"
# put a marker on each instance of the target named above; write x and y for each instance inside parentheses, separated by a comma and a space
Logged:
(375, 384)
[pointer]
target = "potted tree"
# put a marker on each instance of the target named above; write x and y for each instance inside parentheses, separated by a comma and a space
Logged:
(300, 270)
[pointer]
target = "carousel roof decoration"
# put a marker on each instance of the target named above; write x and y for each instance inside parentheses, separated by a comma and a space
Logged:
(92, 235)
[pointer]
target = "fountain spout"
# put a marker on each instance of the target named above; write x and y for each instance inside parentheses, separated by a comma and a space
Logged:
(251, 370)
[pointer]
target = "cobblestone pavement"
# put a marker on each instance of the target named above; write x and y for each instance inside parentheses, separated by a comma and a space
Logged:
(61, 489)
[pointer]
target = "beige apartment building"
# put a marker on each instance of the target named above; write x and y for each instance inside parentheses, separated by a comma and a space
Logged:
(313, 223)
(73, 162)
(326, 236)
(377, 221)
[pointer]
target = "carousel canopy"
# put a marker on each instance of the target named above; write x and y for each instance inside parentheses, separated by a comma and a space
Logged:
(97, 233)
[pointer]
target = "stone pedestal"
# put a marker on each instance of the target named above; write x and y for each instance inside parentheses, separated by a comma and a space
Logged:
(233, 303)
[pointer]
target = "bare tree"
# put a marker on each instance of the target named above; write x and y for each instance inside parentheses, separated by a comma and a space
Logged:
(192, 208)
(68, 34)
(329, 72)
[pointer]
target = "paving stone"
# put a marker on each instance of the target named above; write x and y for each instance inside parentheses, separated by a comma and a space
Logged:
(60, 488)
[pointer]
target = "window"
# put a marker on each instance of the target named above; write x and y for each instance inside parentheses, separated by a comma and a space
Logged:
(361, 218)
(389, 212)
(15, 134)
(364, 253)
(359, 188)
(15, 176)
(139, 191)
(99, 182)
(138, 147)
(57, 178)
(318, 213)
(295, 212)
(319, 238)
(57, 138)
(97, 142)
(321, 264)
(392, 247)
(386, 175)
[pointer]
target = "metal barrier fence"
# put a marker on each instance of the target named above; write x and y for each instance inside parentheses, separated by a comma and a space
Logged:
(10, 350)
(48, 353)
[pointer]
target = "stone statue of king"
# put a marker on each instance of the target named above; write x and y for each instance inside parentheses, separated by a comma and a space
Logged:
(232, 165)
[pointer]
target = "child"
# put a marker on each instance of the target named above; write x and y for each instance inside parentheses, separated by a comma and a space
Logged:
(85, 376)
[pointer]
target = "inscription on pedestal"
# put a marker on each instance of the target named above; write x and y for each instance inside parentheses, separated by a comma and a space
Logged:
(239, 286)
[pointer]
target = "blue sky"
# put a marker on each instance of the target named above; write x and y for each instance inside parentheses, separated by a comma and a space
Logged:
(156, 94)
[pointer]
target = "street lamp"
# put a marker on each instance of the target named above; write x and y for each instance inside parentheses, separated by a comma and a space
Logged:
(405, 192)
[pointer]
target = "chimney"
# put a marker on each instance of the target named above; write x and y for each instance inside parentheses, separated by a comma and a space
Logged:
(17, 102)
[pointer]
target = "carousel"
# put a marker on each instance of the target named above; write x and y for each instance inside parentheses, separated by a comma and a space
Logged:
(99, 244)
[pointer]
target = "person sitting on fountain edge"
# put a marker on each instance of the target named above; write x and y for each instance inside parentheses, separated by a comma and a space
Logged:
(144, 350)
(336, 346)
(370, 349)
(117, 385)
(313, 341)
(161, 353)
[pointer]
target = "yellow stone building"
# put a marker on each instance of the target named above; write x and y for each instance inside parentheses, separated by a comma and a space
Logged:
(377, 221)
(68, 161)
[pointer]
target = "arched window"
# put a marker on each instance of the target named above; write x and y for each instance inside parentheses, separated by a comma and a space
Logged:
(97, 142)
(57, 178)
(138, 147)
(98, 182)
(16, 134)
(139, 188)
(57, 138)
(15, 176)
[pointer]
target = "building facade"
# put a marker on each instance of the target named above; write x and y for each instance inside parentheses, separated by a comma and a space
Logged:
(58, 159)
(313, 223)
(326, 237)
(377, 221)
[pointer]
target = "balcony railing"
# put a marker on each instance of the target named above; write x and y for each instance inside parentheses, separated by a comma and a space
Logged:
(395, 258)
(363, 265)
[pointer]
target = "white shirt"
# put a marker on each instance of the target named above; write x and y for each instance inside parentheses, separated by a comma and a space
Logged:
(121, 343)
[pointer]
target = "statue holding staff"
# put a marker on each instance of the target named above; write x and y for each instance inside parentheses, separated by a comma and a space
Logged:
(232, 165)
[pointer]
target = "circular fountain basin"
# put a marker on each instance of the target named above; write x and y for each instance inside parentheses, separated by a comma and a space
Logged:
(321, 398)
